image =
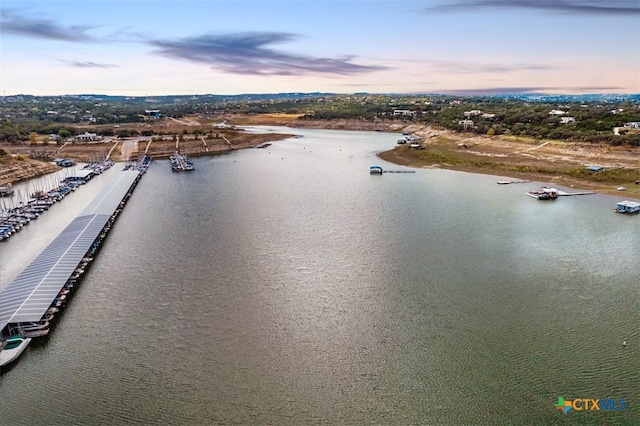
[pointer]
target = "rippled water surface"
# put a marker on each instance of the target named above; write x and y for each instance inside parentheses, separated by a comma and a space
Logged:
(286, 285)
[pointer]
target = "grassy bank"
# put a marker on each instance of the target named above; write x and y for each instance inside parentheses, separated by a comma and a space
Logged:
(564, 173)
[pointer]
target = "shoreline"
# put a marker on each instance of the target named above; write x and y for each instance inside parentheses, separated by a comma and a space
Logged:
(552, 162)
(549, 161)
(392, 156)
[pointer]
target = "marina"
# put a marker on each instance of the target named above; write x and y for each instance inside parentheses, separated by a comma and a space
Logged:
(31, 302)
(546, 193)
(232, 304)
(16, 214)
(180, 162)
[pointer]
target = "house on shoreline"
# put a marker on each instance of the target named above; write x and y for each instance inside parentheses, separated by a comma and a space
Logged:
(87, 137)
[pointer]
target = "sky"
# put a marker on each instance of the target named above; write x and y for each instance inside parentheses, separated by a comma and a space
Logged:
(189, 47)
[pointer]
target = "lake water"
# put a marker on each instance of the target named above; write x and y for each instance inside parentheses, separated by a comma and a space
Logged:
(286, 285)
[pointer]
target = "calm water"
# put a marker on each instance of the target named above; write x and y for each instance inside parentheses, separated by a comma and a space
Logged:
(288, 286)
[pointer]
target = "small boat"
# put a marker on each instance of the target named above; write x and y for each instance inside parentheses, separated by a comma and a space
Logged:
(12, 349)
(544, 193)
(627, 207)
(375, 170)
(6, 190)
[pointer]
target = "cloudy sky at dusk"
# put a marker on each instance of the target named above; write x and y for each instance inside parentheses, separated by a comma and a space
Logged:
(160, 47)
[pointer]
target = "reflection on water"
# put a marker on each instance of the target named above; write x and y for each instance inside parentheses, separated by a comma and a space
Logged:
(286, 285)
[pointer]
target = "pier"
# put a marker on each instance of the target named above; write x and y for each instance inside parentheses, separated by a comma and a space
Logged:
(509, 182)
(37, 295)
(180, 163)
(377, 170)
(568, 194)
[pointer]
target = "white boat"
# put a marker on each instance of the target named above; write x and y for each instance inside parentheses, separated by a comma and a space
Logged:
(544, 193)
(12, 349)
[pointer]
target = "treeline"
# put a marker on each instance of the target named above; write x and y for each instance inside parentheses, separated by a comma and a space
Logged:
(594, 119)
(594, 123)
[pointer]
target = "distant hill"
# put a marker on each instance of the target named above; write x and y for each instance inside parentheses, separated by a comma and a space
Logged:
(169, 99)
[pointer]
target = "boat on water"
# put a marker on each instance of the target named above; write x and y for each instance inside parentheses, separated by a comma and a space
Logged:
(544, 193)
(13, 348)
(375, 170)
(6, 190)
(627, 207)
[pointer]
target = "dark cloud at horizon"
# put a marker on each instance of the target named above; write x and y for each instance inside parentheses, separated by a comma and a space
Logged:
(583, 7)
(42, 28)
(88, 64)
(525, 90)
(250, 53)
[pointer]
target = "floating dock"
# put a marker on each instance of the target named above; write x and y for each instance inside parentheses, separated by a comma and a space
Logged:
(508, 182)
(41, 290)
(180, 163)
(377, 170)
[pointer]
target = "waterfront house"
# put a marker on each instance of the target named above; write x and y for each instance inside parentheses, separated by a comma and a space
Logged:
(87, 137)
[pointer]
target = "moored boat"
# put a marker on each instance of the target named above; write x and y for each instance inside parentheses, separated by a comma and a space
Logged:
(544, 193)
(6, 190)
(627, 207)
(13, 348)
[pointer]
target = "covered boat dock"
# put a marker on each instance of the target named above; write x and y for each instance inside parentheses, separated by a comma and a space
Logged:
(38, 290)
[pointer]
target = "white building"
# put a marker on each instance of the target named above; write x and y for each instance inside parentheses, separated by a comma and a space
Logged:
(567, 120)
(87, 137)
(466, 123)
(403, 112)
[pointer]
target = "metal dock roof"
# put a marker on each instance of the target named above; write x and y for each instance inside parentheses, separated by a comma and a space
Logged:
(29, 296)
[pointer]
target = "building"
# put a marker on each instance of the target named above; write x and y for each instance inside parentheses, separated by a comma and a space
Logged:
(556, 112)
(403, 112)
(466, 123)
(567, 120)
(87, 137)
